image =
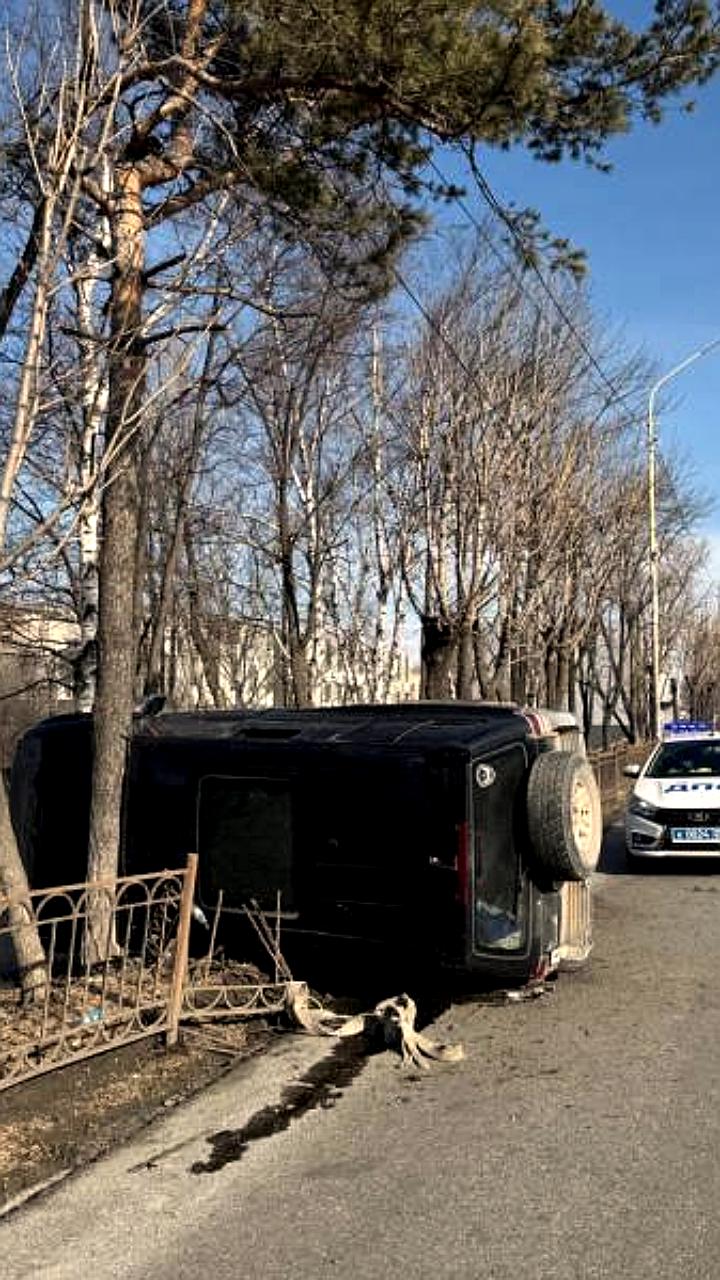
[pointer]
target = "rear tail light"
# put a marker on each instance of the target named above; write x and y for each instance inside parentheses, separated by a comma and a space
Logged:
(540, 726)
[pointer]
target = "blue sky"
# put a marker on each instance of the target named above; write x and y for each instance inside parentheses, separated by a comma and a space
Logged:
(650, 229)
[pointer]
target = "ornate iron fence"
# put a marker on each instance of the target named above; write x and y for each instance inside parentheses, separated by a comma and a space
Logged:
(218, 988)
(145, 985)
(77, 1007)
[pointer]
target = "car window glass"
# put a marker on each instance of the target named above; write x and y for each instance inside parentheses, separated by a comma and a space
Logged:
(245, 840)
(499, 900)
(686, 760)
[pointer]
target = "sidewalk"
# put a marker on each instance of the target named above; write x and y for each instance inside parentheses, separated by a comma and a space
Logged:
(250, 1101)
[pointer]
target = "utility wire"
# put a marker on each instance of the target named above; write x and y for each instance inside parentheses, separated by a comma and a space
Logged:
(500, 212)
(435, 325)
(616, 396)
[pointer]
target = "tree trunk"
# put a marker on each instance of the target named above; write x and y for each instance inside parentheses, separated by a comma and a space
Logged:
(154, 676)
(518, 674)
(94, 408)
(298, 684)
(438, 657)
(570, 674)
(561, 680)
(29, 952)
(116, 639)
(550, 698)
(494, 674)
(13, 878)
(639, 716)
(207, 647)
(466, 683)
(141, 564)
(155, 681)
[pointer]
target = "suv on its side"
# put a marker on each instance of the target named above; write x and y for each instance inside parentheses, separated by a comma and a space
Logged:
(462, 832)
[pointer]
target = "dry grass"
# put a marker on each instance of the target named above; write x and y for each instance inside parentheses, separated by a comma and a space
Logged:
(65, 1118)
(21, 1143)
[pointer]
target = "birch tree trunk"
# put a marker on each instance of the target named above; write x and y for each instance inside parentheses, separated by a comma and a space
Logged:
(94, 408)
(27, 946)
(56, 169)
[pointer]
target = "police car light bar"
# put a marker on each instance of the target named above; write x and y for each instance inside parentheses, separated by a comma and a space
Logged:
(682, 727)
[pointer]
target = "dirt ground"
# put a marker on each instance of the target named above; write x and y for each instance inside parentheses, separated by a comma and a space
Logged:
(70, 1116)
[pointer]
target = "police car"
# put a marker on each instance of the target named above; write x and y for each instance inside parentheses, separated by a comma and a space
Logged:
(675, 805)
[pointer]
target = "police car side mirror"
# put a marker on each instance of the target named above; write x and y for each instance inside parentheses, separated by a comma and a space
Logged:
(632, 770)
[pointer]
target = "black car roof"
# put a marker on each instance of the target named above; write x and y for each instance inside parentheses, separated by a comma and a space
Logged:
(400, 725)
(406, 724)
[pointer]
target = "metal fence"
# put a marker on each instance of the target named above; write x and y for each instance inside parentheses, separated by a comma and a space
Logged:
(609, 766)
(218, 988)
(76, 1007)
(145, 985)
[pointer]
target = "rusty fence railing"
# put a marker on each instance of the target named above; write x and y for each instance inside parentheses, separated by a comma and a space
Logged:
(609, 766)
(218, 988)
(75, 1006)
(146, 985)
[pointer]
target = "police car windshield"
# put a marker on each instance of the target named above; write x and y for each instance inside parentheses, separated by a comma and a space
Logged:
(687, 760)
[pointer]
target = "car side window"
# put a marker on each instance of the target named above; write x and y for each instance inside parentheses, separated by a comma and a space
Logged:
(244, 840)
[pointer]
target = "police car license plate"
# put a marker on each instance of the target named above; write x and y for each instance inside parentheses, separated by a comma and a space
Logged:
(695, 835)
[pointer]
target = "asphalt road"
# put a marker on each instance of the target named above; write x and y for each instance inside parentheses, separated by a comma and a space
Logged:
(579, 1139)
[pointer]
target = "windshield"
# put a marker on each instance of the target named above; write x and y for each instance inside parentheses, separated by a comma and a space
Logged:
(687, 760)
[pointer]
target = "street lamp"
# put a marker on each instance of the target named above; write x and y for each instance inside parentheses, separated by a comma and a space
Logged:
(652, 521)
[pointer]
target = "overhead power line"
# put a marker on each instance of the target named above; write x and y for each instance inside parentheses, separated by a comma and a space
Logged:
(616, 396)
(496, 207)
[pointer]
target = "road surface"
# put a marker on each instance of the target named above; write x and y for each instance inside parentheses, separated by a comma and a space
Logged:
(579, 1139)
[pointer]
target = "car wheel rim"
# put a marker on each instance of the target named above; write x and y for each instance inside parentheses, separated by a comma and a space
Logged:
(583, 824)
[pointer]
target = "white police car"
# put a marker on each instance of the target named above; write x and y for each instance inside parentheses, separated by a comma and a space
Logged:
(675, 805)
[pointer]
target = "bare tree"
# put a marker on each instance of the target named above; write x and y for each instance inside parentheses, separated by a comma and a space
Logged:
(501, 464)
(702, 662)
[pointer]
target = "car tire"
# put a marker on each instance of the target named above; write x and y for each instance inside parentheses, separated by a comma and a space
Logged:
(564, 815)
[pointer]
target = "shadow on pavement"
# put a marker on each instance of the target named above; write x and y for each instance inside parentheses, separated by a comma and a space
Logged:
(612, 855)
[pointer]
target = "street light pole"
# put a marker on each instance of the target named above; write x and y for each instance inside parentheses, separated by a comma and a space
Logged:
(652, 524)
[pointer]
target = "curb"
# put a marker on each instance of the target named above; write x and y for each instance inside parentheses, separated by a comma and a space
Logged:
(38, 1189)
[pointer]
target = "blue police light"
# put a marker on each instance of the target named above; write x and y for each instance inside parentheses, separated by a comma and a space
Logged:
(683, 727)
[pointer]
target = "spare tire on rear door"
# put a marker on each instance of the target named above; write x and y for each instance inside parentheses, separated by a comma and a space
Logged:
(564, 815)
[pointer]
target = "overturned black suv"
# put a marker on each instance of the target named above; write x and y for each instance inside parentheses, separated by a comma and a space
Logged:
(459, 832)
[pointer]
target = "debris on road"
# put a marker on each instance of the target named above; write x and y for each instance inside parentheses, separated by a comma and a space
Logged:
(395, 1017)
